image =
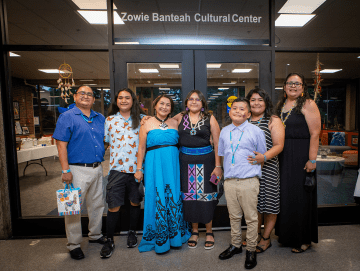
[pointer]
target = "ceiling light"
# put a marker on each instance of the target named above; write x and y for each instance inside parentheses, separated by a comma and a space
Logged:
(223, 88)
(13, 54)
(278, 88)
(232, 83)
(85, 80)
(164, 88)
(217, 94)
(213, 66)
(149, 70)
(301, 6)
(160, 84)
(241, 70)
(51, 71)
(330, 70)
(169, 66)
(92, 4)
(90, 84)
(126, 42)
(358, 57)
(288, 64)
(99, 16)
(293, 20)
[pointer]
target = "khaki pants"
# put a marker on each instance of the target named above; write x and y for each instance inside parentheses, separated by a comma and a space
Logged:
(242, 197)
(90, 180)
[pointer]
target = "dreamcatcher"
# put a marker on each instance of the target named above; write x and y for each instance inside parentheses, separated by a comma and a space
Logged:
(65, 72)
(317, 80)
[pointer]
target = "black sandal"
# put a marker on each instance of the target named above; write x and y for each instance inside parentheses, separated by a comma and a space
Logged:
(193, 241)
(212, 243)
(299, 249)
(260, 249)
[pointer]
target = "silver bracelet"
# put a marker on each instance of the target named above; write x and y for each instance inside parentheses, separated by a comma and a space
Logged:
(218, 166)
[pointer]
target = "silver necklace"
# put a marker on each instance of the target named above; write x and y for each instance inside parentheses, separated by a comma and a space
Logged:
(162, 125)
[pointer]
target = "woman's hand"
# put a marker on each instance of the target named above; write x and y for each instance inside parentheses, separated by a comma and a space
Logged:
(218, 172)
(257, 158)
(138, 176)
(144, 119)
(310, 167)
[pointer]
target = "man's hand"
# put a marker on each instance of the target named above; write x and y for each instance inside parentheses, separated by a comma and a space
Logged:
(67, 178)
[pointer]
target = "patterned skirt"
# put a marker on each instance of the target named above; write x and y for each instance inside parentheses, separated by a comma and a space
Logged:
(198, 193)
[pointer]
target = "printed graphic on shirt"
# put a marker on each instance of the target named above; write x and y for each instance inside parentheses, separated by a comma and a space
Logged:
(123, 142)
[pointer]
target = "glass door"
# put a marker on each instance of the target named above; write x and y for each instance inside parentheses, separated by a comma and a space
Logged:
(224, 75)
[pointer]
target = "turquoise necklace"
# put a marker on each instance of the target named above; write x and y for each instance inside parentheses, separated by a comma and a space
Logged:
(258, 122)
(232, 148)
(87, 120)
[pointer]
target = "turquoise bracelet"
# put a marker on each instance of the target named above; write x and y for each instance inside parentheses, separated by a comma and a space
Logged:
(312, 161)
(264, 158)
(66, 171)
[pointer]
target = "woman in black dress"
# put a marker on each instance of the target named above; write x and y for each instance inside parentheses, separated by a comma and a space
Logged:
(297, 222)
(198, 162)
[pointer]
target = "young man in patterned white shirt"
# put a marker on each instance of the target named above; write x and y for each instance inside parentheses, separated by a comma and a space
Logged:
(122, 134)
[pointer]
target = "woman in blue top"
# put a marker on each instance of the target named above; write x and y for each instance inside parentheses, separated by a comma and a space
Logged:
(164, 226)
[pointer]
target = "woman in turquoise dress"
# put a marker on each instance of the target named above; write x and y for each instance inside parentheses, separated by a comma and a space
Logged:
(164, 226)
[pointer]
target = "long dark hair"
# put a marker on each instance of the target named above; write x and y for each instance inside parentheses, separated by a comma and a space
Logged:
(266, 97)
(300, 101)
(157, 99)
(135, 112)
(205, 113)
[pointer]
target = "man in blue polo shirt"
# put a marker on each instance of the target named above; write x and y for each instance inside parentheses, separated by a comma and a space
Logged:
(80, 133)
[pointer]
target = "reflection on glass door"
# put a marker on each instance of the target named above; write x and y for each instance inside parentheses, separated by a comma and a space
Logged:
(227, 80)
(149, 80)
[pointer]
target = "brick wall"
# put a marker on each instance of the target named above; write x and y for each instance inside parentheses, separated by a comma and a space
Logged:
(23, 94)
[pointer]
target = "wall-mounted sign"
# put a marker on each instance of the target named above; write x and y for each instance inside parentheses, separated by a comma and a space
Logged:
(197, 17)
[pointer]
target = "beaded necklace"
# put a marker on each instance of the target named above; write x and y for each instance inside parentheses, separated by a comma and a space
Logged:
(87, 120)
(232, 148)
(288, 113)
(162, 125)
(193, 128)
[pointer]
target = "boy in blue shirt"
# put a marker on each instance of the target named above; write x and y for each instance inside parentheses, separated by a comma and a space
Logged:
(237, 141)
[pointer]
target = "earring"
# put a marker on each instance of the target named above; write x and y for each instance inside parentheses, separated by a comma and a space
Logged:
(284, 94)
(302, 94)
(202, 109)
(187, 108)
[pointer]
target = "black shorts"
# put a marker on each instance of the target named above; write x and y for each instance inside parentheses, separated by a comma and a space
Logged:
(118, 184)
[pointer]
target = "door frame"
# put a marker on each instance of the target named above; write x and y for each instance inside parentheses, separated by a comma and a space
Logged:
(194, 76)
(193, 61)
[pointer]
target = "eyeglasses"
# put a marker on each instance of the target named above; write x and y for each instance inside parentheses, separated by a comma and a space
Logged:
(297, 84)
(194, 100)
(83, 93)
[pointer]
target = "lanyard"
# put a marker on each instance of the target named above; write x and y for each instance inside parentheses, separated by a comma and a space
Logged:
(232, 148)
(87, 120)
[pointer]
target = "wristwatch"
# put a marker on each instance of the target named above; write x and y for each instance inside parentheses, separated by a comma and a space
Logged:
(140, 169)
(66, 171)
